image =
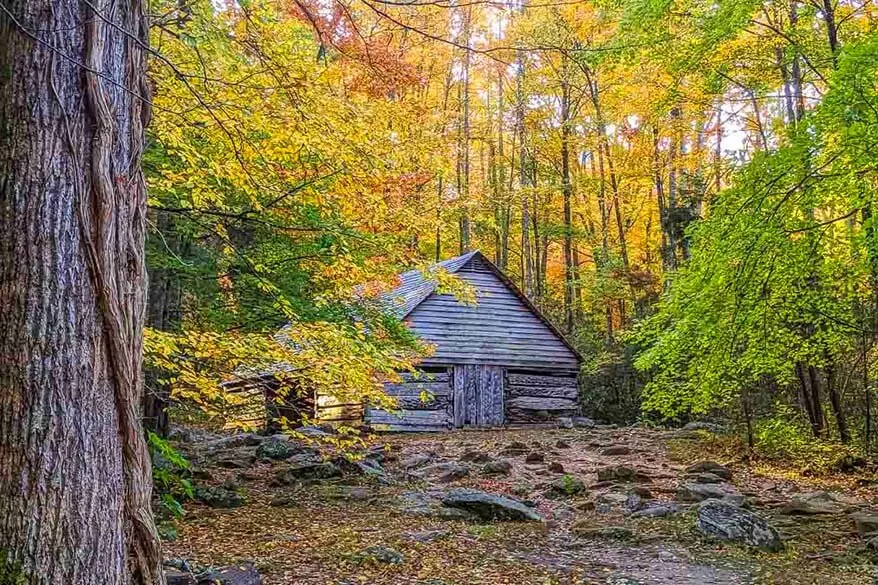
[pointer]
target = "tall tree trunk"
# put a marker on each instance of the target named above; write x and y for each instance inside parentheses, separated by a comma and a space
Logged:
(570, 276)
(75, 480)
(527, 267)
(163, 313)
(501, 179)
(668, 247)
(837, 408)
(465, 228)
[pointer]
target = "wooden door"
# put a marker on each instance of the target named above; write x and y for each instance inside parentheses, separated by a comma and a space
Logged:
(478, 395)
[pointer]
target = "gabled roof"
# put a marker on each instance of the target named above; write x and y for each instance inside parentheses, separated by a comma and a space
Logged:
(415, 287)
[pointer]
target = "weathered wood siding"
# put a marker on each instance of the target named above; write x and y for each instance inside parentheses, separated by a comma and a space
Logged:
(478, 395)
(501, 330)
(534, 398)
(415, 414)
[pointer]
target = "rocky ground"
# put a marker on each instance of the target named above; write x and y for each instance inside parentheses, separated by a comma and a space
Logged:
(538, 506)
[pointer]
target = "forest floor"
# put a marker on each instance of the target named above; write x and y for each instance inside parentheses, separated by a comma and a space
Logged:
(387, 529)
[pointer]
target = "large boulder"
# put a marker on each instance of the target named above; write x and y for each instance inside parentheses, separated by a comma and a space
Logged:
(238, 458)
(219, 497)
(814, 503)
(302, 467)
(732, 523)
(497, 467)
(699, 492)
(244, 574)
(710, 467)
(429, 505)
(277, 448)
(444, 472)
(623, 474)
(489, 506)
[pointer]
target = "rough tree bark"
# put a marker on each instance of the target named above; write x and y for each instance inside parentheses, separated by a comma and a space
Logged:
(75, 476)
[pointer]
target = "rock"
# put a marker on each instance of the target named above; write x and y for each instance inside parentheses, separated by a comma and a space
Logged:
(866, 524)
(219, 497)
(427, 536)
(584, 530)
(535, 457)
(430, 506)
(703, 426)
(583, 422)
(634, 503)
(244, 574)
(497, 467)
(226, 442)
(240, 458)
(561, 444)
(380, 554)
(315, 431)
(475, 457)
(305, 468)
(656, 510)
(177, 577)
(710, 467)
(732, 523)
(699, 492)
(417, 460)
(514, 449)
(489, 506)
(349, 493)
(444, 472)
(872, 544)
(616, 450)
(607, 502)
(283, 501)
(813, 503)
(567, 486)
(704, 478)
(276, 448)
(623, 474)
(555, 467)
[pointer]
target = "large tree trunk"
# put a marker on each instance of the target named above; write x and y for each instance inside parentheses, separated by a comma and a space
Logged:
(75, 476)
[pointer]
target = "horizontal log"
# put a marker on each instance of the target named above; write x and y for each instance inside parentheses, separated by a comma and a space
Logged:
(408, 417)
(540, 403)
(430, 377)
(415, 388)
(415, 403)
(519, 415)
(538, 380)
(388, 428)
(568, 392)
(505, 361)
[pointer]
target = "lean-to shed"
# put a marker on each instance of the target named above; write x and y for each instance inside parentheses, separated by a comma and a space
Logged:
(497, 362)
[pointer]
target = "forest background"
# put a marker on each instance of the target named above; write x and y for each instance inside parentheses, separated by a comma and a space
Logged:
(686, 187)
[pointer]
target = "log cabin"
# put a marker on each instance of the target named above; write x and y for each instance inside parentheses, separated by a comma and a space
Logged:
(498, 362)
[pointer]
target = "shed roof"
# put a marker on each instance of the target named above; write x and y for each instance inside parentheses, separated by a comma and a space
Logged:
(416, 286)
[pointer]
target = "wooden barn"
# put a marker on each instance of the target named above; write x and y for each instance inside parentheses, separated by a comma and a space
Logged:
(498, 362)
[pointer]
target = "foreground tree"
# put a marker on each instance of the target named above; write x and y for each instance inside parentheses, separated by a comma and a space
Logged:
(75, 475)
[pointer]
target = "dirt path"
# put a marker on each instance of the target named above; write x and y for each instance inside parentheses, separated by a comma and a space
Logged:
(321, 532)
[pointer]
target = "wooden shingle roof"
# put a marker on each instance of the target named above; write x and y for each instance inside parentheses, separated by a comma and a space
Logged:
(415, 287)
